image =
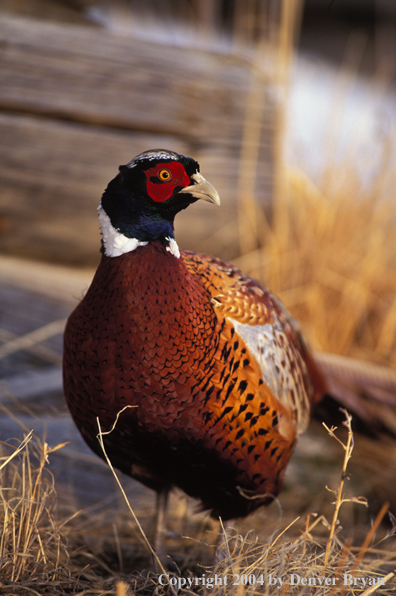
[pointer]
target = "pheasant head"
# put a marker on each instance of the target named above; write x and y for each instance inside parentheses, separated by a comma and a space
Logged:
(139, 205)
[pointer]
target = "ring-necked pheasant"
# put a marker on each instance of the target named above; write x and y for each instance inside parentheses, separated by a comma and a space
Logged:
(220, 380)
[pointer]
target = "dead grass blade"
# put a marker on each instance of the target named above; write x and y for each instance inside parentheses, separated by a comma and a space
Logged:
(340, 499)
(142, 532)
(30, 339)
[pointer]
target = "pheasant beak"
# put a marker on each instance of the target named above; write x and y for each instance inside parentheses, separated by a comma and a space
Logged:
(202, 189)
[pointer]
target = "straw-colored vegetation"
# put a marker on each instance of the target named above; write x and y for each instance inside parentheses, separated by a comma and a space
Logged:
(32, 547)
(330, 255)
(42, 555)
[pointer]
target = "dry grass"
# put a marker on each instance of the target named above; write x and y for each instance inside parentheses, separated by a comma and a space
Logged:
(35, 548)
(32, 548)
(315, 566)
(330, 255)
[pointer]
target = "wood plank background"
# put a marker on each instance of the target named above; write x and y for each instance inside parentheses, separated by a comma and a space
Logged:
(76, 102)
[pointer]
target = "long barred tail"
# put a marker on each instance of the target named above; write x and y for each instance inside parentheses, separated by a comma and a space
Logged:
(367, 391)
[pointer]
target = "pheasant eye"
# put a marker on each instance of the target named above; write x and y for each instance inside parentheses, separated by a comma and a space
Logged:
(164, 175)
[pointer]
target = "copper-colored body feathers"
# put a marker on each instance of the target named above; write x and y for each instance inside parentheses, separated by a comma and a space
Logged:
(160, 334)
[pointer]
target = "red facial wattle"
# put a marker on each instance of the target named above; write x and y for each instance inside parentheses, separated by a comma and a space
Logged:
(163, 178)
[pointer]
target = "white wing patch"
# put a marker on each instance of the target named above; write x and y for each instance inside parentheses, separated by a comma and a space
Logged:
(281, 365)
(116, 244)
